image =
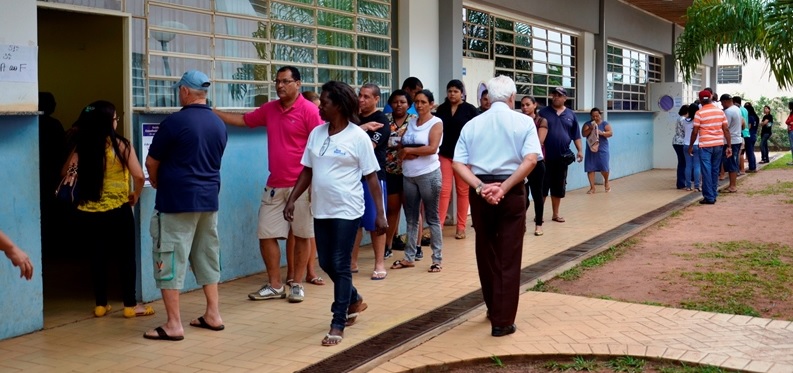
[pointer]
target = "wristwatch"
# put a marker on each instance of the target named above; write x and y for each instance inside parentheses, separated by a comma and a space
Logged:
(479, 187)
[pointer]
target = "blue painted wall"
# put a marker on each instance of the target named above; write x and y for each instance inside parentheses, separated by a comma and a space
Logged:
(243, 176)
(630, 149)
(21, 302)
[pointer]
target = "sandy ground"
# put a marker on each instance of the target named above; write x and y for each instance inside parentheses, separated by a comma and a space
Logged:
(650, 270)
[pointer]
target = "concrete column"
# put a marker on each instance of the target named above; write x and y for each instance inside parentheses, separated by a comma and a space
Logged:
(450, 38)
(419, 42)
(600, 43)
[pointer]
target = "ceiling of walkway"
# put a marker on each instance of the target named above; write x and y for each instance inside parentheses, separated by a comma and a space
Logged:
(670, 10)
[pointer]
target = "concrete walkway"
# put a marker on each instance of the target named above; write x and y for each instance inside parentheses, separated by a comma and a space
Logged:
(276, 336)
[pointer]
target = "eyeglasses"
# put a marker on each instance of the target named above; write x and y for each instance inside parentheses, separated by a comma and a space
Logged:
(284, 81)
(324, 147)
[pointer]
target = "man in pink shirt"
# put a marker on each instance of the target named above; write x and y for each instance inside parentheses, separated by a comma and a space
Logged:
(289, 121)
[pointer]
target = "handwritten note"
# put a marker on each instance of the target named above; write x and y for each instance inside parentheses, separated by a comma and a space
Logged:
(18, 63)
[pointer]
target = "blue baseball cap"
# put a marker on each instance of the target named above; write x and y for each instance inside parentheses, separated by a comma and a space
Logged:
(194, 79)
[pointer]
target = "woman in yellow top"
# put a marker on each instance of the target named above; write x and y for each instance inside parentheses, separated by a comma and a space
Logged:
(105, 162)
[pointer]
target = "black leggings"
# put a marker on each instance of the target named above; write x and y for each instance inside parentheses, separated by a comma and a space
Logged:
(110, 235)
(535, 187)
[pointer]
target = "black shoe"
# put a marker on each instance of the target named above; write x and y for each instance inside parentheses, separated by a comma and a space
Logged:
(388, 253)
(500, 331)
(419, 254)
(706, 202)
(397, 244)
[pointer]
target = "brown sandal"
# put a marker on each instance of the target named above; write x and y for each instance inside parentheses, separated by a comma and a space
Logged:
(435, 268)
(399, 264)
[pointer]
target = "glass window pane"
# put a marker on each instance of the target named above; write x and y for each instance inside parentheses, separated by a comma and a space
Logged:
(554, 36)
(239, 94)
(540, 79)
(203, 4)
(345, 5)
(335, 39)
(373, 9)
(381, 79)
(179, 19)
(328, 57)
(523, 52)
(504, 36)
(505, 63)
(476, 45)
(238, 27)
(161, 94)
(292, 13)
(138, 35)
(138, 80)
(477, 17)
(181, 43)
(229, 70)
(540, 91)
(134, 7)
(257, 8)
(505, 50)
(309, 2)
(477, 31)
(291, 53)
(176, 66)
(373, 62)
(326, 75)
(522, 28)
(523, 65)
(306, 73)
(373, 27)
(523, 40)
(373, 44)
(334, 20)
(522, 78)
(510, 74)
(295, 34)
(504, 24)
(240, 49)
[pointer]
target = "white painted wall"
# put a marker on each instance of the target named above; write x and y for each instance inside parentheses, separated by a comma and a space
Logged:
(18, 26)
(757, 80)
(419, 45)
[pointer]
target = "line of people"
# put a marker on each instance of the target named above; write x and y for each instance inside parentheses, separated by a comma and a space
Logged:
(358, 165)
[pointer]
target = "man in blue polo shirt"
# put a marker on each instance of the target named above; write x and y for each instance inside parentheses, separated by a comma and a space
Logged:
(562, 128)
(184, 167)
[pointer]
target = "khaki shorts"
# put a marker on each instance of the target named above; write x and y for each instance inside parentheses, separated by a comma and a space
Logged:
(178, 237)
(271, 215)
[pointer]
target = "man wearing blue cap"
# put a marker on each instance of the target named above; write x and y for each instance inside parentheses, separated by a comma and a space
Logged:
(184, 167)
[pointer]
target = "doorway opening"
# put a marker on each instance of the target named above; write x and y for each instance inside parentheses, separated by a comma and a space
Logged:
(83, 57)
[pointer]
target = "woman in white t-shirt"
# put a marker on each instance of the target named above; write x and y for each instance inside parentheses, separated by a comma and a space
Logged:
(692, 160)
(338, 153)
(421, 170)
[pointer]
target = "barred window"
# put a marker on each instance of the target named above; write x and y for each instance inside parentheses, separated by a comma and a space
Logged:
(627, 74)
(730, 74)
(536, 58)
(241, 44)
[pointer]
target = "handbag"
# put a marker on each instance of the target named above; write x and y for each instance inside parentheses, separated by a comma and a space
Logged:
(593, 140)
(67, 190)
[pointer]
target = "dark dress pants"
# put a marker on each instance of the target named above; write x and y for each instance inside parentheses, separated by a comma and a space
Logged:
(681, 151)
(499, 248)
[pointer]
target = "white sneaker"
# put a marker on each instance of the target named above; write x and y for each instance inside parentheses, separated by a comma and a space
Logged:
(296, 293)
(268, 292)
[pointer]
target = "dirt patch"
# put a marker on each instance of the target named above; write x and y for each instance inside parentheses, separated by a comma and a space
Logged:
(673, 262)
(575, 364)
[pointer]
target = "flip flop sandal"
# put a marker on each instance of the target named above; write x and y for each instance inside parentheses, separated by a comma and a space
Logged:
(163, 336)
(558, 219)
(435, 268)
(377, 275)
(317, 281)
(354, 310)
(399, 264)
(331, 340)
(205, 325)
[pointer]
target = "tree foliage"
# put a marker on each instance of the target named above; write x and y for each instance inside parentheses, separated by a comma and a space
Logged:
(758, 29)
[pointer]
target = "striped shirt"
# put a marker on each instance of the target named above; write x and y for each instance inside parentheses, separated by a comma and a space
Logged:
(708, 123)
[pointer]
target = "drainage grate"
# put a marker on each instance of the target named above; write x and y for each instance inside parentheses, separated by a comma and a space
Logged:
(390, 339)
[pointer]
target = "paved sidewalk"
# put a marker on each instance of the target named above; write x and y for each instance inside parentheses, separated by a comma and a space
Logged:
(276, 336)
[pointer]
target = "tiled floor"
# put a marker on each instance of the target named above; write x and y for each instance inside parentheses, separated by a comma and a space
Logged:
(276, 336)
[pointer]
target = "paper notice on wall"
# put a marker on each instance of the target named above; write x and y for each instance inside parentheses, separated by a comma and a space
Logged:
(18, 63)
(149, 130)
